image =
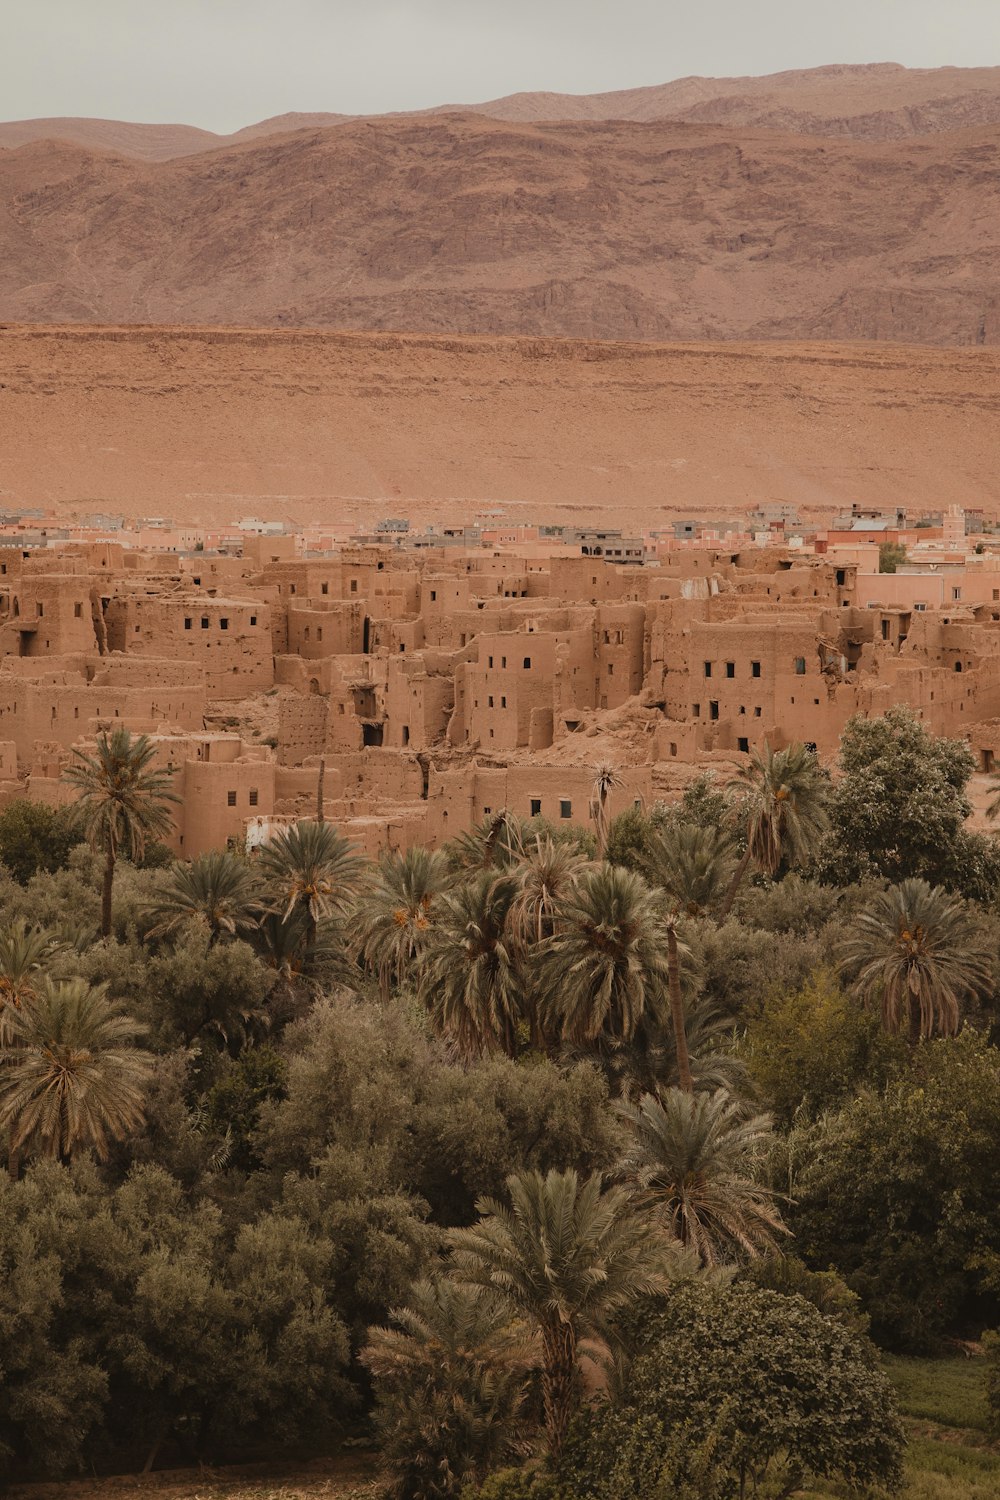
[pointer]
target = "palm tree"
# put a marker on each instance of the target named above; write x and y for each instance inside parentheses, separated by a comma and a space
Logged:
(784, 804)
(312, 868)
(606, 779)
(217, 890)
(693, 865)
(470, 978)
(692, 1160)
(916, 952)
(398, 913)
(605, 965)
(566, 1258)
(494, 844)
(451, 1387)
(73, 1078)
(122, 802)
(24, 953)
(545, 875)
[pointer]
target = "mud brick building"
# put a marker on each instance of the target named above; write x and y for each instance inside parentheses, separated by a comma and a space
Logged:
(440, 684)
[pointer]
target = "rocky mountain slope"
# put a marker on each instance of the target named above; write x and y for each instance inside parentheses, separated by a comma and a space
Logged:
(879, 101)
(211, 425)
(463, 224)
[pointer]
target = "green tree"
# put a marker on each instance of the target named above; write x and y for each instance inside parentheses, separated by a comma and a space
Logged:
(812, 1048)
(693, 866)
(739, 1391)
(451, 1389)
(566, 1258)
(783, 805)
(470, 978)
(898, 808)
(33, 838)
(606, 964)
(896, 1192)
(891, 555)
(398, 913)
(73, 1079)
(217, 890)
(122, 802)
(695, 1162)
(916, 953)
(311, 869)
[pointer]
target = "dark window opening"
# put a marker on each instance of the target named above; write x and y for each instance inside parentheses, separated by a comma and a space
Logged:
(713, 709)
(565, 809)
(230, 799)
(800, 666)
(743, 744)
(536, 807)
(527, 662)
(371, 734)
(253, 796)
(730, 669)
(708, 669)
(755, 669)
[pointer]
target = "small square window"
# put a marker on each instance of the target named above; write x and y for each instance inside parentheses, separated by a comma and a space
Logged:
(204, 622)
(730, 669)
(536, 807)
(565, 808)
(800, 666)
(253, 619)
(224, 623)
(253, 796)
(354, 585)
(527, 662)
(696, 710)
(743, 745)
(324, 588)
(230, 799)
(187, 622)
(77, 611)
(755, 669)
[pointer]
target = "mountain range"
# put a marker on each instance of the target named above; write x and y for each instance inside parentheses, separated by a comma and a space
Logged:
(839, 203)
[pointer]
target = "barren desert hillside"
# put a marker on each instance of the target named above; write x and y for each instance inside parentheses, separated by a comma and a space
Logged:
(465, 225)
(876, 101)
(208, 425)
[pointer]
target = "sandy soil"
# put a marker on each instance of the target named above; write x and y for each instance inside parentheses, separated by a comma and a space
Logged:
(347, 1478)
(211, 425)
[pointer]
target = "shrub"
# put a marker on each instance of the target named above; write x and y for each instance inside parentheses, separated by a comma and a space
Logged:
(737, 1387)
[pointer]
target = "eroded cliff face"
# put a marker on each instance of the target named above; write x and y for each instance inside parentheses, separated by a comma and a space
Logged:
(594, 230)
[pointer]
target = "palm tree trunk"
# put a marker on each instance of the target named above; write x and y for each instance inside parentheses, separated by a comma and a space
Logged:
(914, 1036)
(108, 888)
(734, 886)
(558, 1382)
(677, 1013)
(14, 1162)
(320, 785)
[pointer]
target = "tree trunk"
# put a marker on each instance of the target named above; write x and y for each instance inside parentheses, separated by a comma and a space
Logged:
(320, 787)
(108, 888)
(558, 1382)
(677, 1013)
(734, 886)
(14, 1162)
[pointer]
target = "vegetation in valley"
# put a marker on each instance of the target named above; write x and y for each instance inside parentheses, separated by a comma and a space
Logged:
(655, 1164)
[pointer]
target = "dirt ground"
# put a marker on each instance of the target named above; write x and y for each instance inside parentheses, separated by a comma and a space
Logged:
(349, 1477)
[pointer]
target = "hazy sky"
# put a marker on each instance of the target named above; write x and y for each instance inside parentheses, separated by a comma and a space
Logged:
(226, 63)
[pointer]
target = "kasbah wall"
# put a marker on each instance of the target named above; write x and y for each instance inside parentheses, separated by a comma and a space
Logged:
(439, 686)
